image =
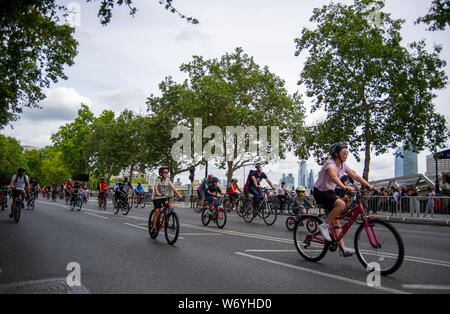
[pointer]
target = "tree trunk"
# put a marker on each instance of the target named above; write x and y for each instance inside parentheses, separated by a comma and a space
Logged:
(368, 136)
(367, 163)
(230, 171)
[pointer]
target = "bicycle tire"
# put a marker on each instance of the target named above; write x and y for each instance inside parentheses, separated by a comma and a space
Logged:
(205, 217)
(79, 204)
(197, 206)
(125, 208)
(223, 221)
(290, 223)
(150, 226)
(143, 202)
(116, 207)
(270, 211)
(248, 215)
(172, 223)
(312, 225)
(401, 248)
(300, 243)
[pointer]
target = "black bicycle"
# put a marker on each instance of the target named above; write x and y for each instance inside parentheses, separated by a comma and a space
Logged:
(169, 221)
(217, 215)
(19, 206)
(77, 202)
(266, 209)
(30, 200)
(122, 203)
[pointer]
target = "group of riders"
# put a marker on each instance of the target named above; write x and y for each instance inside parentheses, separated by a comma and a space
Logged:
(329, 190)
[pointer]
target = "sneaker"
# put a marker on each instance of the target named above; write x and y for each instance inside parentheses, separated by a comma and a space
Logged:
(347, 251)
(325, 231)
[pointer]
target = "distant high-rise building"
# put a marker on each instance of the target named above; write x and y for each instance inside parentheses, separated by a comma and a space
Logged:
(311, 180)
(290, 181)
(303, 174)
(405, 162)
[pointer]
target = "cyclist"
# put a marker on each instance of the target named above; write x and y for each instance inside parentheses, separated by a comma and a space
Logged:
(4, 184)
(301, 204)
(162, 189)
(283, 196)
(201, 190)
(325, 194)
(85, 193)
(75, 190)
(253, 184)
(127, 185)
(19, 183)
(232, 191)
(68, 187)
(34, 187)
(212, 193)
(55, 190)
(346, 180)
(120, 193)
(139, 190)
(102, 189)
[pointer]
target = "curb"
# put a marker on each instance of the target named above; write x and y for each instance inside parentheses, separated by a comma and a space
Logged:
(416, 221)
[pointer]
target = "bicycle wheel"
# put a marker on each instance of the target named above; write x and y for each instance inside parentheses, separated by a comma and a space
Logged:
(248, 215)
(136, 202)
(312, 225)
(311, 246)
(172, 228)
(115, 207)
(79, 204)
(270, 214)
(125, 208)
(221, 218)
(389, 254)
(290, 223)
(143, 202)
(150, 226)
(206, 217)
(197, 205)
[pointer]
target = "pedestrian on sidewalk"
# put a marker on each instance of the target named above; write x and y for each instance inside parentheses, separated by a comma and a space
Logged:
(414, 201)
(430, 203)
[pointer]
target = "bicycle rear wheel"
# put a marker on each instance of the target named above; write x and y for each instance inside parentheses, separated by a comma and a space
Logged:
(206, 217)
(150, 226)
(197, 205)
(126, 208)
(311, 246)
(172, 228)
(389, 254)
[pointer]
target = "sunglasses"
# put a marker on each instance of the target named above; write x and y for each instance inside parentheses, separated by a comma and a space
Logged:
(345, 153)
(165, 172)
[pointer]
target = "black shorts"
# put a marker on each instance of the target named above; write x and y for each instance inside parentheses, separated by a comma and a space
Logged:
(158, 203)
(327, 199)
(16, 193)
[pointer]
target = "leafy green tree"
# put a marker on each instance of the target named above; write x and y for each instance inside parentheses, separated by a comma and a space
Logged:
(231, 91)
(34, 49)
(32, 160)
(438, 18)
(71, 141)
(53, 167)
(10, 155)
(376, 93)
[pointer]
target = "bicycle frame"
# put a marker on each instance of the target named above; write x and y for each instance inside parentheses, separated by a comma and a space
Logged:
(164, 211)
(355, 212)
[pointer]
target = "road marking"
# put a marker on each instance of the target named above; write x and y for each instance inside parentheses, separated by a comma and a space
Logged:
(316, 272)
(273, 251)
(136, 226)
(425, 287)
(201, 234)
(90, 214)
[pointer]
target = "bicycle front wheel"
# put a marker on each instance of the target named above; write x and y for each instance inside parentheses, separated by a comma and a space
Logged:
(290, 223)
(17, 211)
(269, 213)
(379, 243)
(79, 204)
(221, 218)
(172, 228)
(311, 246)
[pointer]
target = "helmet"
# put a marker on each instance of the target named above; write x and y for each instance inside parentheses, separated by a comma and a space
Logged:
(103, 178)
(163, 168)
(258, 165)
(210, 176)
(215, 179)
(283, 182)
(300, 189)
(139, 183)
(77, 182)
(21, 169)
(336, 148)
(120, 182)
(234, 180)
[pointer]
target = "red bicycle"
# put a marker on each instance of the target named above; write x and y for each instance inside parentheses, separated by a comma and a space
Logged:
(375, 241)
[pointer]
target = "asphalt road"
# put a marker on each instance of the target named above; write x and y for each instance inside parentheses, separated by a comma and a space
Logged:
(116, 255)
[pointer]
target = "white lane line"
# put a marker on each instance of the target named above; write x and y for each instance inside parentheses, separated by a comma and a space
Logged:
(146, 229)
(136, 226)
(200, 234)
(425, 287)
(315, 272)
(103, 217)
(273, 251)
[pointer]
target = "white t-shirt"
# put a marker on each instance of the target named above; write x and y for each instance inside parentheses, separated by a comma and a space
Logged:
(19, 182)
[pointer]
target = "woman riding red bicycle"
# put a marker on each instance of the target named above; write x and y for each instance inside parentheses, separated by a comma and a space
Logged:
(324, 190)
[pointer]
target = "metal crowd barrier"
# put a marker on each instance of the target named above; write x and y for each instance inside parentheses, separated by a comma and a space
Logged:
(410, 206)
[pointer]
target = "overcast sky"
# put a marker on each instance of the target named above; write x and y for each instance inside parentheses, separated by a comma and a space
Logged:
(120, 65)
